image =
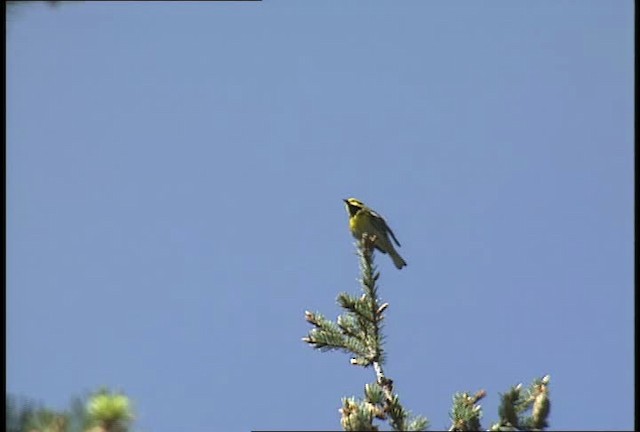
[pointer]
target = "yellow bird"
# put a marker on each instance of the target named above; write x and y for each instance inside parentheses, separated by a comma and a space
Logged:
(364, 220)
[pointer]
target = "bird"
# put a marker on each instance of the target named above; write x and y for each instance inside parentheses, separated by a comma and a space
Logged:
(362, 220)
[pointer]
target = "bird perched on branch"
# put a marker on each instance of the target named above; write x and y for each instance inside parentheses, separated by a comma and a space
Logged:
(364, 220)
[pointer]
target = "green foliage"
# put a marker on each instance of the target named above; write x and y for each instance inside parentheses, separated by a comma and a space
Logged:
(48, 421)
(466, 413)
(101, 412)
(517, 402)
(358, 331)
(25, 415)
(18, 413)
(111, 411)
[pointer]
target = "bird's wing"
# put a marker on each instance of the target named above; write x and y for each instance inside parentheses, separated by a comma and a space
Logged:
(381, 225)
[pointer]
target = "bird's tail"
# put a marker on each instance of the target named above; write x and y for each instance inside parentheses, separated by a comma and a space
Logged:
(397, 259)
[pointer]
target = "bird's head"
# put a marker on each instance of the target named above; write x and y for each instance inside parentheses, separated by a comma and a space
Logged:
(353, 206)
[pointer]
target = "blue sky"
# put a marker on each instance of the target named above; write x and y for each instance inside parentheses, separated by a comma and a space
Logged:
(174, 183)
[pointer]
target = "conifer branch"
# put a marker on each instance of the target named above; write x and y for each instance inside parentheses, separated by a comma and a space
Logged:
(358, 331)
(466, 413)
(517, 401)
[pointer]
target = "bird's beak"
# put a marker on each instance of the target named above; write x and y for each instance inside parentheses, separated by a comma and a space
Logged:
(345, 200)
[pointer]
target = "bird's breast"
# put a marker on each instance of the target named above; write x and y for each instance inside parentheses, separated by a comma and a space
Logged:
(358, 225)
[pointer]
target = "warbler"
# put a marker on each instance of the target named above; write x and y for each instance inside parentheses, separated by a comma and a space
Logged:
(364, 220)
